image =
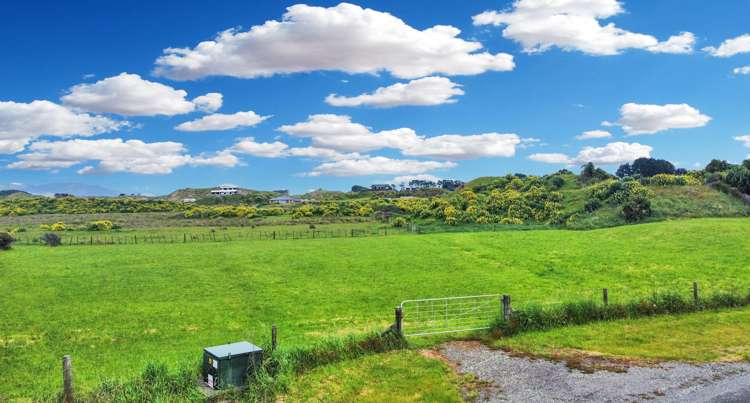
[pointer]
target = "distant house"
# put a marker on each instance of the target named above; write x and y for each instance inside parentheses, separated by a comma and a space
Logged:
(225, 190)
(189, 200)
(286, 200)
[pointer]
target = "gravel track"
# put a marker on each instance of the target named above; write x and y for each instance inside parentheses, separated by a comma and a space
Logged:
(525, 379)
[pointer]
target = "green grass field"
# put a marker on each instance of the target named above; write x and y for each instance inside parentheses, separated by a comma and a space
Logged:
(395, 377)
(699, 337)
(115, 308)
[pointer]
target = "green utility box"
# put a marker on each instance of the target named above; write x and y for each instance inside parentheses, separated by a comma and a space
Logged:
(229, 365)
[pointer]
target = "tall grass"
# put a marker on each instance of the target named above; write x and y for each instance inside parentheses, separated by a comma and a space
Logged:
(155, 384)
(273, 377)
(281, 366)
(536, 317)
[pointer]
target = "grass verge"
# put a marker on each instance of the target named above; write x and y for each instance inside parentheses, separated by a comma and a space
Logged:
(722, 335)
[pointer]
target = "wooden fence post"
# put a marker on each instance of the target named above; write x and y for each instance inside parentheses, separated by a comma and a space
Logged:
(67, 380)
(399, 320)
(273, 337)
(605, 296)
(506, 307)
(695, 292)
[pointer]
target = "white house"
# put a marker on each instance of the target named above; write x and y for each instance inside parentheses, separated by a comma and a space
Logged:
(225, 190)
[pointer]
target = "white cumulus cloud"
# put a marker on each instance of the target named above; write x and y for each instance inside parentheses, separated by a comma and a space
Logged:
(730, 47)
(346, 38)
(594, 134)
(268, 150)
(130, 95)
(420, 92)
(220, 121)
(745, 140)
(742, 70)
(613, 153)
(464, 147)
(551, 158)
(649, 119)
(610, 154)
(377, 166)
(209, 103)
(22, 122)
(114, 155)
(338, 132)
(538, 25)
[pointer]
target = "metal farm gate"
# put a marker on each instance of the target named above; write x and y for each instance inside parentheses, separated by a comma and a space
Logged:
(421, 317)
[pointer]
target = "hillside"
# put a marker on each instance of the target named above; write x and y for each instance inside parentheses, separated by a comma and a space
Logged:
(13, 194)
(200, 193)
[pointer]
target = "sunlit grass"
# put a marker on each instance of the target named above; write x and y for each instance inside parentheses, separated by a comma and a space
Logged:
(116, 308)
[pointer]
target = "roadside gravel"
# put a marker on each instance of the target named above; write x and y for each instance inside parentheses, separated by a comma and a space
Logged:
(526, 379)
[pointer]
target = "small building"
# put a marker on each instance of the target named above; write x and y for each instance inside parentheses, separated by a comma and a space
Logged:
(225, 190)
(189, 200)
(286, 200)
(229, 365)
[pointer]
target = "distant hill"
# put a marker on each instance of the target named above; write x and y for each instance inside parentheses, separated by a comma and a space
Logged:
(201, 193)
(13, 194)
(72, 188)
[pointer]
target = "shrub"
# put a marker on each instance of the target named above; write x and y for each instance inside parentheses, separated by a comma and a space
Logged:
(5, 240)
(101, 225)
(592, 204)
(671, 180)
(58, 226)
(739, 177)
(399, 222)
(557, 182)
(51, 239)
(636, 208)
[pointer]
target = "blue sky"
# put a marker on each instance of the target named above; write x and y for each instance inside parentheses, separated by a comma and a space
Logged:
(685, 100)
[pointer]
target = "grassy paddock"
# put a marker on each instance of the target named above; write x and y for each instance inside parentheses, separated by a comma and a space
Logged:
(117, 308)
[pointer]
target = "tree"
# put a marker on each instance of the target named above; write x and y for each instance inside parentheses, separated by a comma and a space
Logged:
(359, 189)
(717, 166)
(648, 167)
(624, 170)
(590, 173)
(680, 171)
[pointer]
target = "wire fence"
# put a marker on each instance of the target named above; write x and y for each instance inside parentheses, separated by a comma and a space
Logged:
(212, 236)
(432, 316)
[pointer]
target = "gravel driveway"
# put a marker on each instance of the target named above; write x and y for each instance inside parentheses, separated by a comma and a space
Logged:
(524, 379)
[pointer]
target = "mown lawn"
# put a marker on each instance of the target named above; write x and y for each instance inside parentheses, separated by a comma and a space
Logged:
(394, 377)
(699, 337)
(115, 308)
